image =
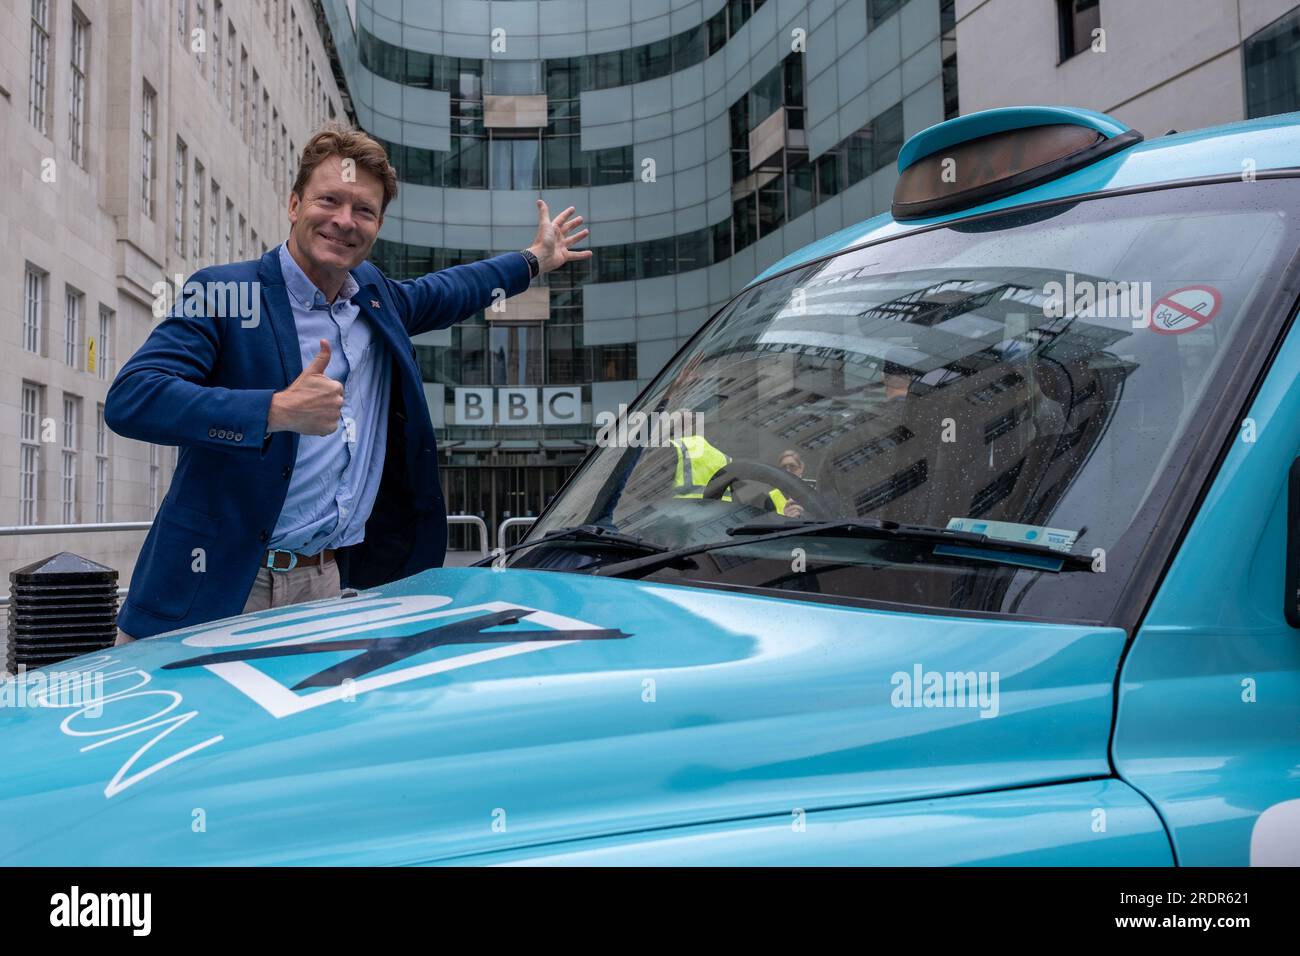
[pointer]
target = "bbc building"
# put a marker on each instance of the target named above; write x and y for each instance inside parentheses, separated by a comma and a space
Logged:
(701, 140)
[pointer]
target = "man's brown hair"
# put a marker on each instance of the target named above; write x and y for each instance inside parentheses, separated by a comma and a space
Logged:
(339, 139)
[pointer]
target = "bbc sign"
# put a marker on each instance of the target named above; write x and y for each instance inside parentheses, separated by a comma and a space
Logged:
(518, 406)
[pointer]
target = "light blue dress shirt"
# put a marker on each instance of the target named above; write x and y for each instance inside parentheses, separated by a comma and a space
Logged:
(335, 477)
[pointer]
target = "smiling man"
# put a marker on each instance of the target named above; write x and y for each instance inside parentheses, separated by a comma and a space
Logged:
(308, 460)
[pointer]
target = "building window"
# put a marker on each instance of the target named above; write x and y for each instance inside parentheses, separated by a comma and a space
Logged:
(273, 160)
(948, 51)
(38, 77)
(229, 225)
(196, 224)
(101, 465)
(1272, 58)
(243, 247)
(244, 128)
(33, 308)
(255, 118)
(1077, 20)
(216, 48)
(154, 470)
(201, 26)
(148, 115)
(68, 465)
(180, 199)
(29, 456)
(73, 303)
(104, 362)
(878, 11)
(214, 217)
(263, 139)
(77, 88)
(516, 355)
(230, 71)
(282, 161)
(514, 163)
(182, 16)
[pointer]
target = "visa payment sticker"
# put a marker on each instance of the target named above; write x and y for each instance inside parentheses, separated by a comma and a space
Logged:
(1010, 531)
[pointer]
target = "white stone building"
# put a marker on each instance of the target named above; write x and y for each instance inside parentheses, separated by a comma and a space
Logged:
(141, 139)
(1158, 64)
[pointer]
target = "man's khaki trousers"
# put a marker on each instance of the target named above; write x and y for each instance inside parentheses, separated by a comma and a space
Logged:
(278, 588)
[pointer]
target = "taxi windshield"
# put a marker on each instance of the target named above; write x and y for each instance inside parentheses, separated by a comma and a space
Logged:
(1030, 376)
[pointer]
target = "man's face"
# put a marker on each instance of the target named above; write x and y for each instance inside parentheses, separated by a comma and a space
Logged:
(896, 386)
(335, 221)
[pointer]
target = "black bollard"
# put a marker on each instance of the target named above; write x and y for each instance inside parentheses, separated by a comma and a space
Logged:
(60, 607)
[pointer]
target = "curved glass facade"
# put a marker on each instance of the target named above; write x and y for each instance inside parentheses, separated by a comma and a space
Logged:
(700, 139)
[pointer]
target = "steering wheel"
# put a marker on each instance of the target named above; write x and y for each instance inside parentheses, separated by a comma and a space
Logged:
(746, 468)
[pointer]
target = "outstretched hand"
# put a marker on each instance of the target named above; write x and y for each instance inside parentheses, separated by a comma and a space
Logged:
(555, 237)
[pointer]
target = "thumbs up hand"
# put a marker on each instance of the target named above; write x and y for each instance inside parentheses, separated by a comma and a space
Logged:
(312, 404)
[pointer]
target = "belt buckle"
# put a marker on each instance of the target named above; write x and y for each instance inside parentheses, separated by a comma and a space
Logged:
(270, 559)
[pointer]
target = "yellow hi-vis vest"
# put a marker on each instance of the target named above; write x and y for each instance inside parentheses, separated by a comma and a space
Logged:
(698, 462)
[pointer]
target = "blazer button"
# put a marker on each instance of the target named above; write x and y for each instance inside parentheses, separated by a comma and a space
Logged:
(239, 436)
(212, 433)
(287, 472)
(223, 434)
(265, 536)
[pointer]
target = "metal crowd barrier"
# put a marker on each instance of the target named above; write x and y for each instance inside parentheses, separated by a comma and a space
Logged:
(90, 527)
(508, 524)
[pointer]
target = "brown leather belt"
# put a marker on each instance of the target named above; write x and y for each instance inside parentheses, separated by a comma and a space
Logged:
(279, 560)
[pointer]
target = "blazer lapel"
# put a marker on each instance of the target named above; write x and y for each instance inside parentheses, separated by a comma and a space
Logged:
(371, 304)
(275, 303)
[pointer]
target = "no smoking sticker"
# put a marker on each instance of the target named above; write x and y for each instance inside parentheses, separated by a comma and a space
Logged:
(1185, 309)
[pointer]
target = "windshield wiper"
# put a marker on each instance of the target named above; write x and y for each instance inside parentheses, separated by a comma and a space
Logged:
(585, 533)
(962, 544)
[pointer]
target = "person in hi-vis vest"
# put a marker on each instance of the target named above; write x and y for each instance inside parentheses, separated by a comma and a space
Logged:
(698, 461)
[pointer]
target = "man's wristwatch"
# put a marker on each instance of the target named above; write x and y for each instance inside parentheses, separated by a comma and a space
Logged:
(534, 267)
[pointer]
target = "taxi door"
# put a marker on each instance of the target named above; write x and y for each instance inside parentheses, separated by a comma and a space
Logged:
(1208, 719)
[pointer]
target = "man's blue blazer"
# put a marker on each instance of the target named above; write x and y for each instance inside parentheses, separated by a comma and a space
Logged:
(204, 383)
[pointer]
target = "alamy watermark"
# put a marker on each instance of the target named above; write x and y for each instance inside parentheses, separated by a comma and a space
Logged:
(1102, 300)
(222, 300)
(622, 429)
(923, 688)
(62, 689)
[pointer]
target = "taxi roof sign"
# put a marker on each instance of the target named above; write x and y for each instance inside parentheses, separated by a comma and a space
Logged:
(983, 156)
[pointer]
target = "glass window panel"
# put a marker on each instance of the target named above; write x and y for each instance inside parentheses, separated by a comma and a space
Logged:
(738, 13)
(765, 96)
(800, 188)
(499, 164)
(1272, 58)
(419, 69)
(608, 70)
(828, 175)
(721, 232)
(771, 205)
(717, 27)
(472, 160)
(515, 76)
(654, 60)
(792, 79)
(888, 130)
(744, 216)
(525, 164)
(560, 170)
(471, 353)
(689, 47)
